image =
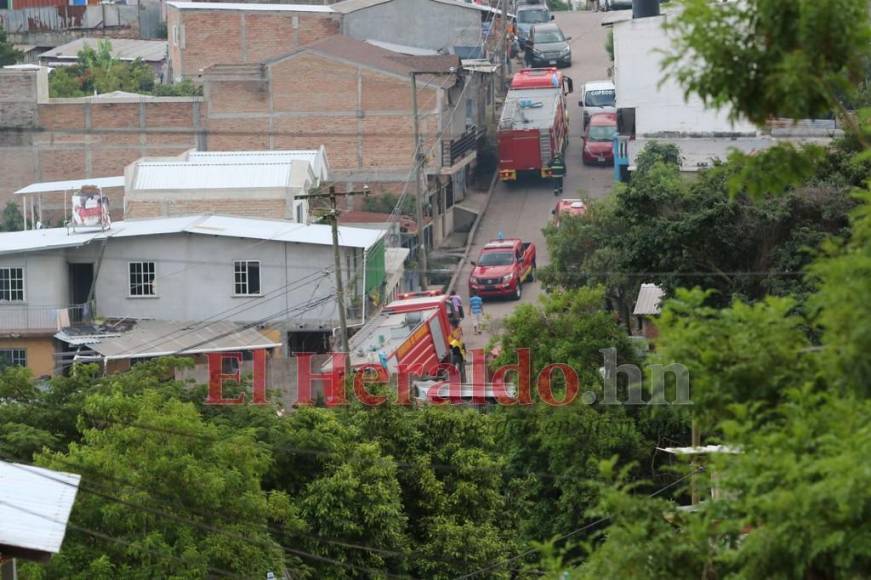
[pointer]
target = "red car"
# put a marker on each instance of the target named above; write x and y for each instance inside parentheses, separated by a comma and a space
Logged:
(599, 139)
(502, 268)
(568, 207)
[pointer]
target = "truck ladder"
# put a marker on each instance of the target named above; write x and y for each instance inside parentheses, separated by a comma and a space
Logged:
(544, 146)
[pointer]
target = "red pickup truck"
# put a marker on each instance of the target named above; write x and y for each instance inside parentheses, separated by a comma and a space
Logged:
(502, 268)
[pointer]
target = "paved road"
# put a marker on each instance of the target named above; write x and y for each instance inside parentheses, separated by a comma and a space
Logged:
(523, 209)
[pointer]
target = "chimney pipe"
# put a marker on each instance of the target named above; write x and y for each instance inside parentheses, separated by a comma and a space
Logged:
(645, 8)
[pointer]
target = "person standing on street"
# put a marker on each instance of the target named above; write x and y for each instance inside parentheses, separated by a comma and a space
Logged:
(476, 307)
(457, 302)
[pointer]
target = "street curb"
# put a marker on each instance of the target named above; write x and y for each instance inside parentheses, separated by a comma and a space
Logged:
(471, 239)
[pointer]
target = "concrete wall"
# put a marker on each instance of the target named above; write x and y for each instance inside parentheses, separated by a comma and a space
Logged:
(200, 38)
(39, 351)
(420, 23)
(195, 278)
(638, 46)
(45, 279)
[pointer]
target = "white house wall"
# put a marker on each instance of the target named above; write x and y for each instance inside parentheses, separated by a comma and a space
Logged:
(639, 47)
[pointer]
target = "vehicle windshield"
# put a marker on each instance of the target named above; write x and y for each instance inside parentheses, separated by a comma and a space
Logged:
(496, 259)
(602, 132)
(533, 16)
(599, 99)
(549, 36)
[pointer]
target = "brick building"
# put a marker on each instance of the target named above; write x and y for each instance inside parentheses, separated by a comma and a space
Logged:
(202, 34)
(45, 140)
(355, 99)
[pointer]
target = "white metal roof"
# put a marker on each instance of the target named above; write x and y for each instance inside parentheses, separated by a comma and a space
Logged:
(175, 175)
(250, 7)
(705, 449)
(213, 225)
(317, 158)
(122, 48)
(402, 49)
(649, 298)
(35, 504)
(72, 184)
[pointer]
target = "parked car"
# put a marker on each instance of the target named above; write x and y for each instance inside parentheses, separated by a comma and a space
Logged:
(502, 268)
(598, 97)
(568, 207)
(599, 139)
(528, 15)
(548, 46)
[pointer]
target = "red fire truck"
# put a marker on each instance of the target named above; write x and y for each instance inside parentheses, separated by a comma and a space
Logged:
(415, 331)
(534, 126)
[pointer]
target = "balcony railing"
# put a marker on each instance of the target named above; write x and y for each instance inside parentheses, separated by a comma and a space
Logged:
(41, 318)
(455, 149)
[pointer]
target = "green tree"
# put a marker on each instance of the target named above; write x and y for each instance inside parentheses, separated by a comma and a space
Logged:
(8, 53)
(219, 512)
(13, 221)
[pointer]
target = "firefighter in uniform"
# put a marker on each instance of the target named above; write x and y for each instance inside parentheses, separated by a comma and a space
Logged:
(557, 172)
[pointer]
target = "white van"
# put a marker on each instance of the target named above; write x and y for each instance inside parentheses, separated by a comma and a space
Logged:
(598, 97)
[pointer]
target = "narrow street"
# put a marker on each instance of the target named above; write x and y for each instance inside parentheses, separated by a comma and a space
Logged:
(522, 209)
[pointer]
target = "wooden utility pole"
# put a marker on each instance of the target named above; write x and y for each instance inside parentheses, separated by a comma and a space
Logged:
(419, 158)
(340, 288)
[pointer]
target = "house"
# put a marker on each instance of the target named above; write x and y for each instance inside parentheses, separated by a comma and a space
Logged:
(202, 34)
(275, 274)
(445, 26)
(647, 307)
(151, 52)
(654, 107)
(34, 511)
(356, 99)
(243, 183)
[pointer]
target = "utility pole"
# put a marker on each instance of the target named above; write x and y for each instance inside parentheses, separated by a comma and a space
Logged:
(419, 157)
(331, 194)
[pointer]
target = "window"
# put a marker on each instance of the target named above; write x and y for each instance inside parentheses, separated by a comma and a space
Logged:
(14, 357)
(247, 278)
(11, 284)
(142, 279)
(300, 217)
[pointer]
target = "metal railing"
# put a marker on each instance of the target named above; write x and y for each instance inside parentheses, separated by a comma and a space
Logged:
(41, 318)
(455, 149)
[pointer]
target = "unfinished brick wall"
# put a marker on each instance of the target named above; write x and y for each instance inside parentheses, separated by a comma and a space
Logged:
(245, 207)
(199, 38)
(361, 115)
(45, 139)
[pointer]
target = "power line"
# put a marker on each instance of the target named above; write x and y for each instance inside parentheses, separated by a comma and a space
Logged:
(574, 532)
(102, 536)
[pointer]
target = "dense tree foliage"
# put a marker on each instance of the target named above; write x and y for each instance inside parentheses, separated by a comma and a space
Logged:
(8, 53)
(664, 228)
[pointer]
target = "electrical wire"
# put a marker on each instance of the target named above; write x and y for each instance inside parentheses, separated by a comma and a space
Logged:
(574, 532)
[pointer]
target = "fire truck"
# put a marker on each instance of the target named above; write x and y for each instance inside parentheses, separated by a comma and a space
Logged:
(414, 331)
(534, 125)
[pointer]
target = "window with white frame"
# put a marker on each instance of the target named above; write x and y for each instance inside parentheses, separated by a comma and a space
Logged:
(246, 277)
(13, 357)
(142, 276)
(11, 284)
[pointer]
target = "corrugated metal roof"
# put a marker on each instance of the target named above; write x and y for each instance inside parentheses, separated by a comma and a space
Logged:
(250, 7)
(213, 225)
(317, 158)
(176, 175)
(35, 504)
(162, 338)
(122, 48)
(403, 49)
(349, 6)
(649, 298)
(72, 184)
